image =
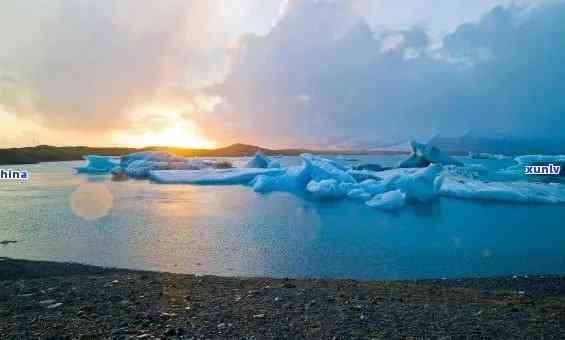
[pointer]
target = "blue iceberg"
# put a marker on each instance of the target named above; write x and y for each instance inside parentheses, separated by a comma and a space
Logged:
(96, 165)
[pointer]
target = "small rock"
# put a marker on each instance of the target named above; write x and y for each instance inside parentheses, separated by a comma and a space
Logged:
(47, 302)
(165, 315)
(221, 325)
(26, 295)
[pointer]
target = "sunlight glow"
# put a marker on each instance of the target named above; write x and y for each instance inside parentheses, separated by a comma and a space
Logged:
(165, 129)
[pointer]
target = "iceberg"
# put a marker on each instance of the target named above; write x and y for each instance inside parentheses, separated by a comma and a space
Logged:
(142, 168)
(326, 179)
(359, 194)
(392, 200)
(421, 185)
(260, 161)
(294, 178)
(96, 165)
(322, 168)
(370, 167)
(150, 156)
(484, 155)
(424, 155)
(517, 192)
(211, 176)
(139, 165)
(327, 189)
(507, 185)
(362, 175)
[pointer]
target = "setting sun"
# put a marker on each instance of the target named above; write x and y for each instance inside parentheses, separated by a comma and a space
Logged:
(179, 136)
(166, 129)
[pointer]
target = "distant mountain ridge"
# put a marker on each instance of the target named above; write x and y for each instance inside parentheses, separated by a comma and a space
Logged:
(46, 153)
(499, 145)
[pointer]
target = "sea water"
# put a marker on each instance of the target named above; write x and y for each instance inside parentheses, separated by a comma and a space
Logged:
(58, 215)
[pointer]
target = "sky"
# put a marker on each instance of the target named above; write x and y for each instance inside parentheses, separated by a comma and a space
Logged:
(278, 73)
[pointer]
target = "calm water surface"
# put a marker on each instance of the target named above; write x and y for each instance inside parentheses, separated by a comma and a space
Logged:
(231, 230)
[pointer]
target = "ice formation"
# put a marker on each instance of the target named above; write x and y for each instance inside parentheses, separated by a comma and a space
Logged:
(362, 175)
(140, 165)
(506, 185)
(261, 161)
(150, 156)
(327, 189)
(424, 155)
(517, 191)
(369, 167)
(484, 155)
(96, 165)
(431, 173)
(392, 200)
(211, 176)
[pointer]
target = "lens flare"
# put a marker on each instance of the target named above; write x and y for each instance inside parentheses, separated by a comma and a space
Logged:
(91, 201)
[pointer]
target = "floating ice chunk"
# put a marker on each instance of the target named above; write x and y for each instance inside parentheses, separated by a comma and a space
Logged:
(517, 191)
(424, 185)
(359, 194)
(370, 167)
(297, 177)
(469, 170)
(321, 168)
(96, 165)
(392, 200)
(274, 164)
(362, 175)
(293, 178)
(261, 161)
(258, 161)
(140, 164)
(423, 155)
(480, 155)
(539, 160)
(327, 189)
(484, 155)
(150, 156)
(211, 176)
(421, 185)
(141, 168)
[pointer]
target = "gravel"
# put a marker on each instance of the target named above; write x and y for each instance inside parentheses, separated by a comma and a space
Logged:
(42, 300)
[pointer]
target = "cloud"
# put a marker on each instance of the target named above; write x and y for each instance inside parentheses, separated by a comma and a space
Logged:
(88, 64)
(316, 72)
(500, 74)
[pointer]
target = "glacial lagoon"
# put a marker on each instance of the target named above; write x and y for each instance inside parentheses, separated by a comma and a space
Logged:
(230, 230)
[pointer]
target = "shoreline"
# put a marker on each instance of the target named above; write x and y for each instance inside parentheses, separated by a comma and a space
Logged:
(42, 300)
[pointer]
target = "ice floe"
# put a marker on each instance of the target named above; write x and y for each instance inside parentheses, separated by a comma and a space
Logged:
(96, 165)
(261, 161)
(424, 155)
(211, 176)
(517, 191)
(392, 200)
(432, 173)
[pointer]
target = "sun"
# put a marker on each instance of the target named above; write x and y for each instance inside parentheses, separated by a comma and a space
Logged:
(177, 136)
(166, 128)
